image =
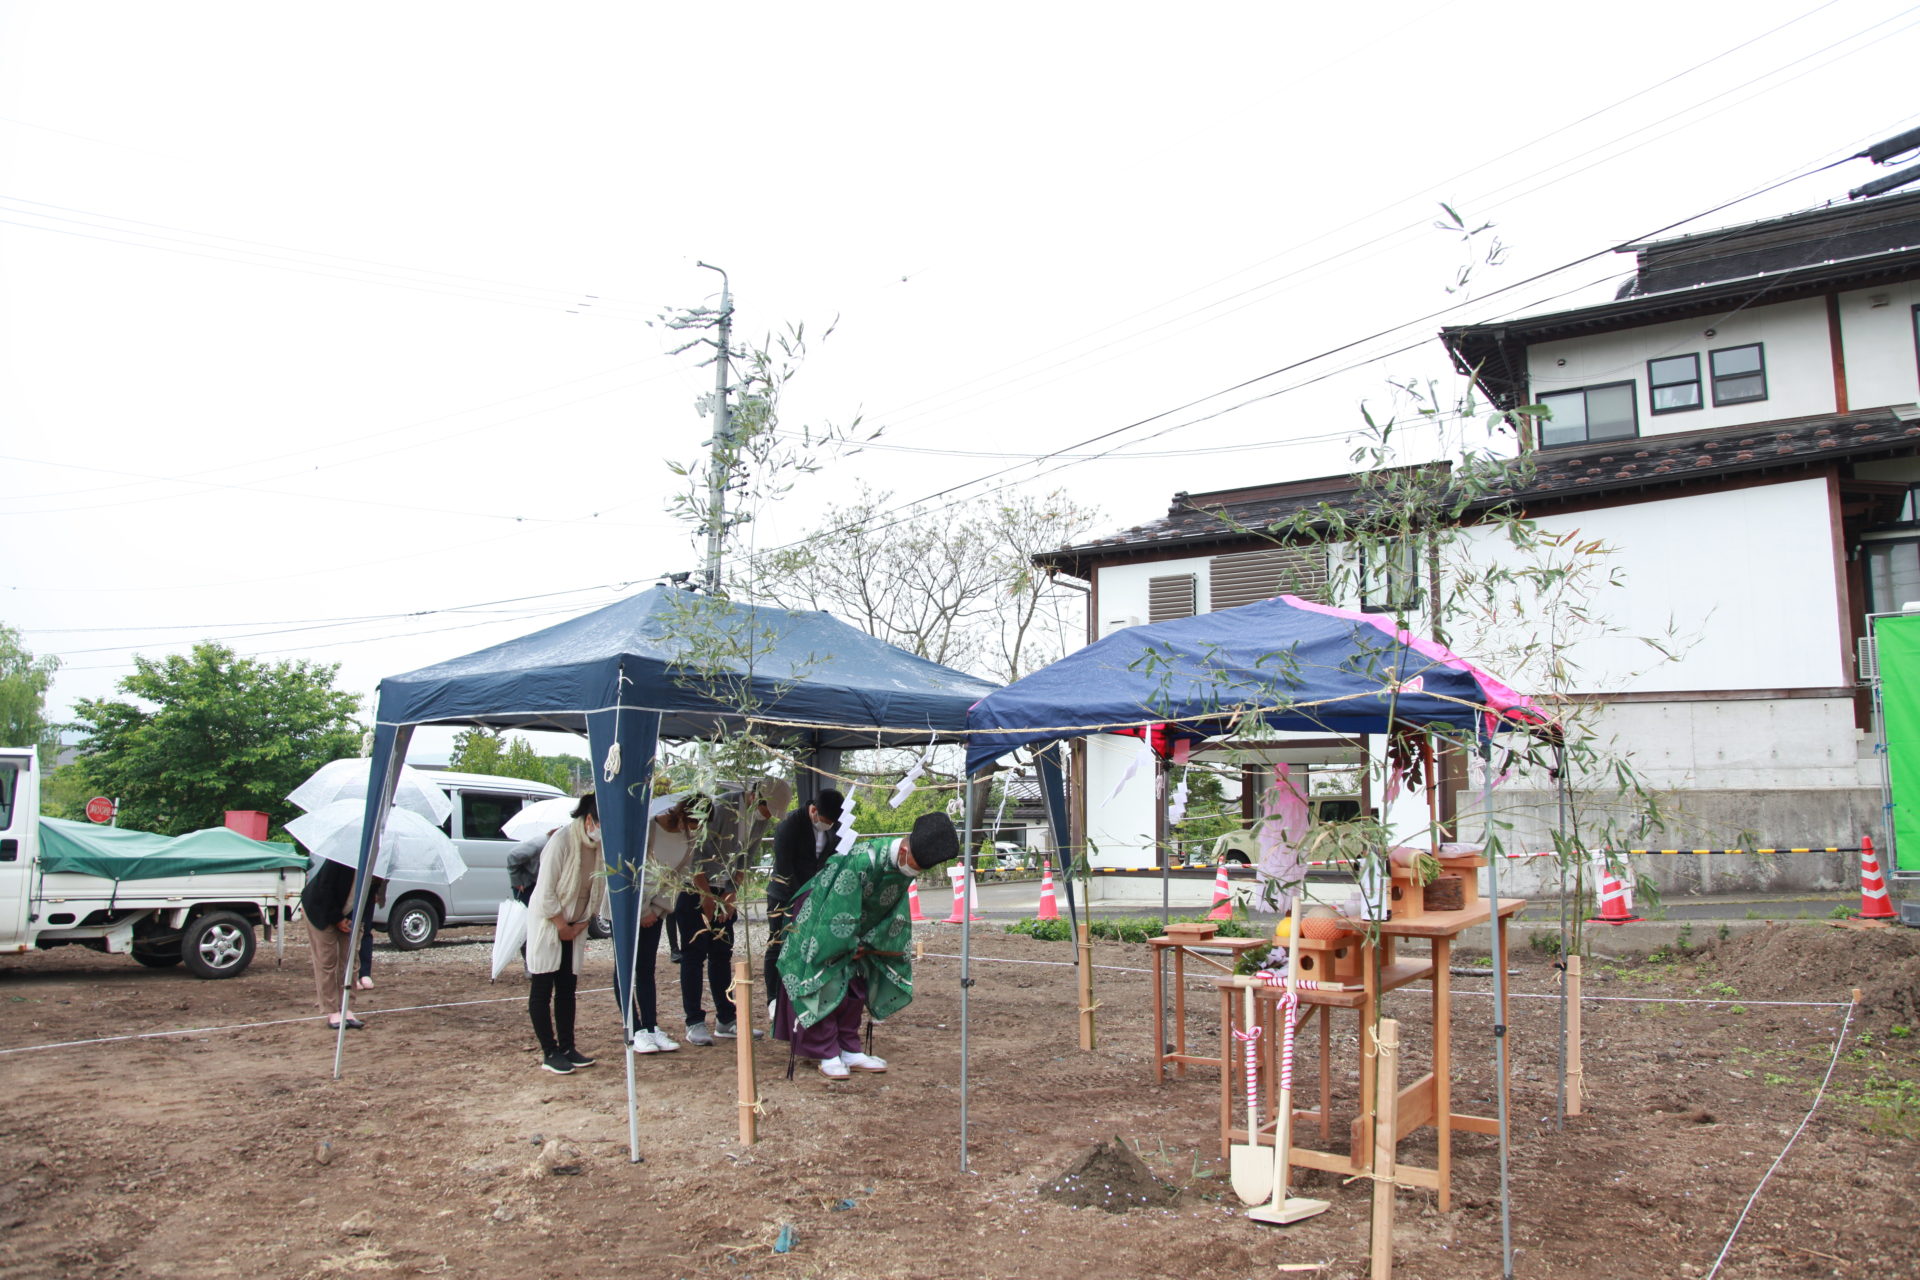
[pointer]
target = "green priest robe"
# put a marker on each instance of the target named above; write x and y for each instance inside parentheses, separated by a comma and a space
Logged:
(853, 924)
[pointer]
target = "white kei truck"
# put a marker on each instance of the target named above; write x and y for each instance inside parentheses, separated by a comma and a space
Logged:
(195, 899)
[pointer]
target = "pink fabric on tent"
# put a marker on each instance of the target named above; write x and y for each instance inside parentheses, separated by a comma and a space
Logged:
(1500, 699)
(1284, 819)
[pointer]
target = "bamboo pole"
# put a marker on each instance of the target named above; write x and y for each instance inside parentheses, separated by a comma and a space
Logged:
(743, 1048)
(1086, 987)
(1575, 1083)
(1386, 1117)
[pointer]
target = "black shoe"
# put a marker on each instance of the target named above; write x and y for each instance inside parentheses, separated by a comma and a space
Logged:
(557, 1063)
(577, 1058)
(674, 956)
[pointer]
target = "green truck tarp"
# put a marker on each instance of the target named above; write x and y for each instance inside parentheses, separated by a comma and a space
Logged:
(84, 848)
(1897, 649)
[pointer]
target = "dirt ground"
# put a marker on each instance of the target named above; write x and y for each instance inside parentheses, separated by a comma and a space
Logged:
(230, 1151)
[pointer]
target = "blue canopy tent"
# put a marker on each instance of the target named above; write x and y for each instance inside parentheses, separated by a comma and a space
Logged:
(1280, 664)
(671, 663)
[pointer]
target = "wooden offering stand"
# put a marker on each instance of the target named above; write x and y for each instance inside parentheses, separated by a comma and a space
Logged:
(1425, 1102)
(1178, 941)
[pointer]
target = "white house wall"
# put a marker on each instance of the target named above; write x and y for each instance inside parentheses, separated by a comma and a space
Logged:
(1742, 581)
(1798, 353)
(1876, 327)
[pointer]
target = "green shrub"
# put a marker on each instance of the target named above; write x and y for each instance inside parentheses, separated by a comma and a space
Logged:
(1122, 928)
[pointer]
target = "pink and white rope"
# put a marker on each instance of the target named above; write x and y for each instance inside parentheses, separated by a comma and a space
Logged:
(1247, 1040)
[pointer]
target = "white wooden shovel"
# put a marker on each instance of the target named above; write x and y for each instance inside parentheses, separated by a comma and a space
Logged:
(1285, 1208)
(1250, 1163)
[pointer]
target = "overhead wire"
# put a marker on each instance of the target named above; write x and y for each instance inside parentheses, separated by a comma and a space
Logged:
(896, 419)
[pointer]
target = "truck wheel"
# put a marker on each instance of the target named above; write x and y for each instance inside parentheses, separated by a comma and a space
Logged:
(600, 928)
(158, 959)
(413, 923)
(218, 944)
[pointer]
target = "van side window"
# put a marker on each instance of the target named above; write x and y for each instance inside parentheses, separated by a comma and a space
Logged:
(482, 813)
(9, 788)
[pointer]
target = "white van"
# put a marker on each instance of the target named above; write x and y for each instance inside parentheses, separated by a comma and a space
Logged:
(416, 910)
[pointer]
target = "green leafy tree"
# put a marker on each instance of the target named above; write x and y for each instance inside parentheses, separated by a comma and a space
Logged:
(504, 756)
(24, 680)
(211, 731)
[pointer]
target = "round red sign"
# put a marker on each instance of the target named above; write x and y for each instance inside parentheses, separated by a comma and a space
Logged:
(100, 809)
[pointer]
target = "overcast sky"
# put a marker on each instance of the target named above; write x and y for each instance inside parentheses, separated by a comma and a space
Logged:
(315, 313)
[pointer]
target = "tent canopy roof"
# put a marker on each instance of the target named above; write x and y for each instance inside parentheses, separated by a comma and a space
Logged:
(700, 661)
(1281, 664)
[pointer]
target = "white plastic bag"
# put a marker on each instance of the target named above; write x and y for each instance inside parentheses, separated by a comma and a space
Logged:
(509, 934)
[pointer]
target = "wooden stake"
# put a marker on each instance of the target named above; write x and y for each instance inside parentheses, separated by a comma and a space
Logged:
(1386, 1117)
(1086, 987)
(743, 1049)
(1576, 1083)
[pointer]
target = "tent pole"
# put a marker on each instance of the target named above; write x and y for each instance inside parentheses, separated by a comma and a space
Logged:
(1499, 1000)
(633, 976)
(363, 881)
(1566, 994)
(966, 952)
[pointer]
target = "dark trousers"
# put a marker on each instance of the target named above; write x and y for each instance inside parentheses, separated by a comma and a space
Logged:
(646, 1005)
(550, 1004)
(706, 955)
(838, 1032)
(366, 951)
(779, 920)
(676, 936)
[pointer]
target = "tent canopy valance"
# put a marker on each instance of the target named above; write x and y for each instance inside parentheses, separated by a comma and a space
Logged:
(1281, 664)
(697, 661)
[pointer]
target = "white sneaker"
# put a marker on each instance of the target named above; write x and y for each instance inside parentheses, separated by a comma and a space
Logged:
(642, 1041)
(864, 1061)
(834, 1068)
(661, 1042)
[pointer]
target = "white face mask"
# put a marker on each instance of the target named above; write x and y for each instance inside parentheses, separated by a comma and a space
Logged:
(822, 826)
(590, 833)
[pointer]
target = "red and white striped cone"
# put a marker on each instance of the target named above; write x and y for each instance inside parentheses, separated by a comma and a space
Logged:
(1222, 896)
(913, 902)
(1875, 904)
(1613, 902)
(959, 879)
(1049, 909)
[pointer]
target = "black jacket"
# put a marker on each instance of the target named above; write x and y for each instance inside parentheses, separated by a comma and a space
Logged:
(328, 897)
(794, 860)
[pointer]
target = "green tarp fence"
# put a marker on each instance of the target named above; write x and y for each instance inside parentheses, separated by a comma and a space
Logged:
(84, 848)
(1897, 651)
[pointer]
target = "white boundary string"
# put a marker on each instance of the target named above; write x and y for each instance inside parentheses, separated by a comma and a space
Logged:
(1819, 1094)
(275, 1022)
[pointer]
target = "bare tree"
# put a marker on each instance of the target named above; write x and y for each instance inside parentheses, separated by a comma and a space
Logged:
(955, 587)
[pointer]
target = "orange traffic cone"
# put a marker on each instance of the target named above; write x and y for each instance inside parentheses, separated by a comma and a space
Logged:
(1613, 902)
(1874, 902)
(1049, 909)
(913, 902)
(1222, 896)
(959, 913)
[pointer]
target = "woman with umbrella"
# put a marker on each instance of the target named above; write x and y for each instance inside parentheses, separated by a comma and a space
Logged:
(569, 894)
(327, 903)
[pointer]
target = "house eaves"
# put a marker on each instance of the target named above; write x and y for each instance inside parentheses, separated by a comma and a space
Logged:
(1495, 355)
(1616, 472)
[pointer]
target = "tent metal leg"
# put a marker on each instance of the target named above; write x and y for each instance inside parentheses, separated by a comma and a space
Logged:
(966, 958)
(1498, 929)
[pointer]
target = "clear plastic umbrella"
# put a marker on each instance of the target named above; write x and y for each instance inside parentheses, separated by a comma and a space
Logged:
(411, 847)
(540, 817)
(347, 780)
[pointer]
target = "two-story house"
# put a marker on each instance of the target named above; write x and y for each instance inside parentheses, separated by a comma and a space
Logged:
(1740, 428)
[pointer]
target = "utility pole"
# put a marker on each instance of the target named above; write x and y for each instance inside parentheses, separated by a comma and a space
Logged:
(720, 471)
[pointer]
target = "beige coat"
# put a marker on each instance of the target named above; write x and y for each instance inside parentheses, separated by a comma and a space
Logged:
(543, 936)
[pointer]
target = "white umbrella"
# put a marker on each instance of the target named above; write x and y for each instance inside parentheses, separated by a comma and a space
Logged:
(509, 934)
(347, 780)
(411, 847)
(539, 818)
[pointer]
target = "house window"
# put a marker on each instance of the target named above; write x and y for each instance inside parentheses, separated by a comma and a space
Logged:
(1673, 384)
(1739, 374)
(1390, 576)
(1893, 575)
(1170, 597)
(1590, 413)
(1260, 575)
